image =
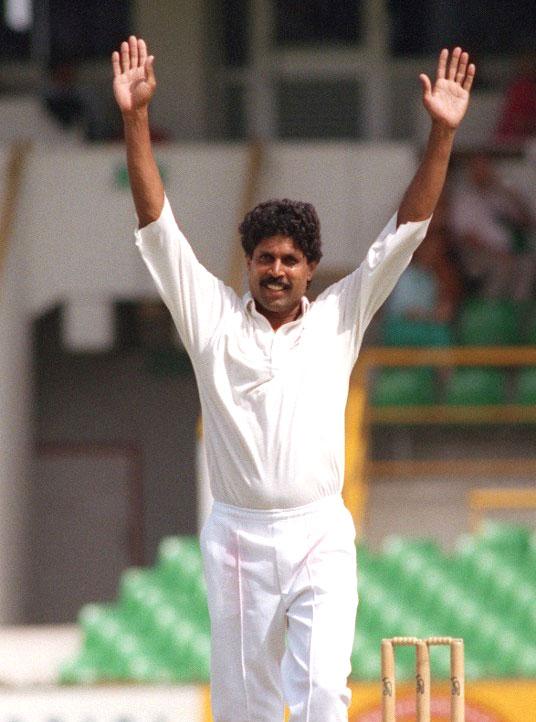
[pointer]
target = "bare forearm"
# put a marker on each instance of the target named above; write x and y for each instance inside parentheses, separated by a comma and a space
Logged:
(423, 192)
(145, 182)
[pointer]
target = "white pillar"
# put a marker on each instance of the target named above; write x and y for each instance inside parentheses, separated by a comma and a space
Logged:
(376, 85)
(260, 97)
(175, 32)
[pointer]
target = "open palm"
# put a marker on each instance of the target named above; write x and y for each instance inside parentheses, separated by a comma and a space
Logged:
(134, 79)
(447, 100)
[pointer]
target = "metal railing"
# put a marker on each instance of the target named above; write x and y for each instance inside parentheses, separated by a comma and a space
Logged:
(360, 416)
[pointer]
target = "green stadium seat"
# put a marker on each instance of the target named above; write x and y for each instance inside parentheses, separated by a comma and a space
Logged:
(83, 669)
(404, 387)
(100, 624)
(485, 322)
(179, 562)
(485, 593)
(411, 560)
(525, 392)
(474, 668)
(476, 387)
(405, 663)
(506, 538)
(138, 594)
(440, 662)
(526, 662)
(365, 660)
(400, 547)
(398, 331)
(144, 667)
(104, 632)
(529, 325)
(531, 560)
(199, 657)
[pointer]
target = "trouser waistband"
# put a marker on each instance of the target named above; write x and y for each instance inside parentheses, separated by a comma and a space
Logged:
(325, 503)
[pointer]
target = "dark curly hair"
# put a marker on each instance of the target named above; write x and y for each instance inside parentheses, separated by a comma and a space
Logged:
(283, 217)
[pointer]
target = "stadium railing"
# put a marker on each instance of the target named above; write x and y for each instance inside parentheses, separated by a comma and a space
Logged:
(361, 414)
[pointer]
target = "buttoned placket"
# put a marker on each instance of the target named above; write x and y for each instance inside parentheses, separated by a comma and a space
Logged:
(280, 340)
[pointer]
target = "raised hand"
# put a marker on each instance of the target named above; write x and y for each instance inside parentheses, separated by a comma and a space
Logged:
(134, 79)
(447, 100)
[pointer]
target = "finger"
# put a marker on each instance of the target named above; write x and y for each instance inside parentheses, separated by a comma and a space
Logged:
(142, 52)
(149, 70)
(133, 47)
(442, 64)
(454, 60)
(469, 77)
(116, 65)
(462, 67)
(125, 57)
(426, 84)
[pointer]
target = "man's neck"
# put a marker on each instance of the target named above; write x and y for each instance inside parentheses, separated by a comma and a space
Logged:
(276, 320)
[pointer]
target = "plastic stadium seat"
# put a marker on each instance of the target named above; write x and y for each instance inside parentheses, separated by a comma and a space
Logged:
(485, 322)
(398, 331)
(400, 547)
(525, 392)
(485, 593)
(81, 670)
(529, 326)
(526, 662)
(179, 561)
(506, 538)
(138, 595)
(476, 387)
(404, 387)
(365, 660)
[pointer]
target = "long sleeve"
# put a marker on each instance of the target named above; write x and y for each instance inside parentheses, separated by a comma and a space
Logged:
(196, 299)
(359, 295)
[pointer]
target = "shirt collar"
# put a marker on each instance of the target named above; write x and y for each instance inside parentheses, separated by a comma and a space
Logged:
(249, 305)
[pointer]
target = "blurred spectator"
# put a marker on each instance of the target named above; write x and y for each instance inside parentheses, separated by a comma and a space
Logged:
(517, 122)
(494, 228)
(423, 304)
(78, 107)
(62, 97)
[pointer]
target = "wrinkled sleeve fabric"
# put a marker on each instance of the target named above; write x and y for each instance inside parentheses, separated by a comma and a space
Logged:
(196, 299)
(359, 295)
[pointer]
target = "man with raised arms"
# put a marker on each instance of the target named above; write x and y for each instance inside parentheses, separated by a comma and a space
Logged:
(273, 373)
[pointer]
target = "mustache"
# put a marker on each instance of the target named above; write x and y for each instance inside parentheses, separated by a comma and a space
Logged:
(271, 280)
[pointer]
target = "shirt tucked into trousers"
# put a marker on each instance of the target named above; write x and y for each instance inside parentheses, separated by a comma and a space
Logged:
(278, 547)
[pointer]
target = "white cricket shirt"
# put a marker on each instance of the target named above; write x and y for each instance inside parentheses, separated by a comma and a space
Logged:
(273, 402)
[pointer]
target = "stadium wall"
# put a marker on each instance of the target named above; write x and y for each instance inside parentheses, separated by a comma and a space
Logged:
(508, 701)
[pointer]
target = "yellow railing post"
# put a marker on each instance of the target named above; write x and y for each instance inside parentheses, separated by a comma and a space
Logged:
(490, 499)
(358, 418)
(355, 485)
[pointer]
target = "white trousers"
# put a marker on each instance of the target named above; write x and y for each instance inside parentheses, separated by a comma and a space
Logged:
(282, 596)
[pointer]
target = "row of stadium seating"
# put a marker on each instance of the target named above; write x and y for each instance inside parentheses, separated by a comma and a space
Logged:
(481, 322)
(158, 630)
(485, 593)
(469, 386)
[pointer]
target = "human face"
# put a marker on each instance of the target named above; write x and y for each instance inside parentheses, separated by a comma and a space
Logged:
(278, 274)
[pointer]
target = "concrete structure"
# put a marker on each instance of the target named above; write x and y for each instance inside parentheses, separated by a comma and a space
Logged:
(71, 243)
